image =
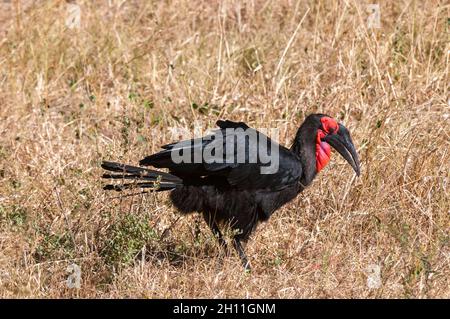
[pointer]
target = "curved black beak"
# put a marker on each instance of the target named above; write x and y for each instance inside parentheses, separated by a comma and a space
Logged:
(342, 142)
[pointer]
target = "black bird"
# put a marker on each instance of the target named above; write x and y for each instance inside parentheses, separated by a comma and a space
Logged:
(235, 190)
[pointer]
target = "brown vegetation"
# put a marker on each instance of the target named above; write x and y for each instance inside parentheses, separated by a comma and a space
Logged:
(112, 88)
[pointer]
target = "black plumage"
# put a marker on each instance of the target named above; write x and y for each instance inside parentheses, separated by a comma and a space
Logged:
(233, 191)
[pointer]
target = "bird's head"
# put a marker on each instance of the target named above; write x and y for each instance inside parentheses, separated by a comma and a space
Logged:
(331, 133)
(320, 133)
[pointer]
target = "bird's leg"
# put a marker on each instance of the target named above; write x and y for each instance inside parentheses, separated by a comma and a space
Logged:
(218, 234)
(238, 246)
(216, 231)
(197, 228)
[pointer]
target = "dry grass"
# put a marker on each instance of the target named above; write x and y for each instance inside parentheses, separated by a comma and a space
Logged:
(112, 88)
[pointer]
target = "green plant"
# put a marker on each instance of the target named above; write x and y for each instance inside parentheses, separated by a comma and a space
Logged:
(126, 238)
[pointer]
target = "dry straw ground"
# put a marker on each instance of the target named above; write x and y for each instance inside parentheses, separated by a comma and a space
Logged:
(112, 88)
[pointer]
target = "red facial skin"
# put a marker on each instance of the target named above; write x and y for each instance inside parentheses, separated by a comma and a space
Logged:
(323, 150)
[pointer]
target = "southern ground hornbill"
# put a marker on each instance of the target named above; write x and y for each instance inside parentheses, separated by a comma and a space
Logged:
(232, 189)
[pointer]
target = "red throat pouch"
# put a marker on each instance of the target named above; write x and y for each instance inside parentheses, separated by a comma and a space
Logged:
(323, 151)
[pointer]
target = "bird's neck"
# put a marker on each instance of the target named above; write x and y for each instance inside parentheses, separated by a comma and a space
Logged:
(304, 147)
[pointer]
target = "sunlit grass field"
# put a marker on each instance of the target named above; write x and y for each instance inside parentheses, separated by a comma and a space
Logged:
(111, 85)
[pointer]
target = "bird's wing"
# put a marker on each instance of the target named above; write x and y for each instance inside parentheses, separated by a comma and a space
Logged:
(246, 158)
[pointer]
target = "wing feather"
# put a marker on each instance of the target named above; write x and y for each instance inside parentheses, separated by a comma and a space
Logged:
(234, 157)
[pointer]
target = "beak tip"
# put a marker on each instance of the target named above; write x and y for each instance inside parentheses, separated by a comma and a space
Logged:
(357, 168)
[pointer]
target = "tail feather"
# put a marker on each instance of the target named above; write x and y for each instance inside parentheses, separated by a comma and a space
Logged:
(158, 181)
(155, 187)
(123, 168)
(129, 176)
